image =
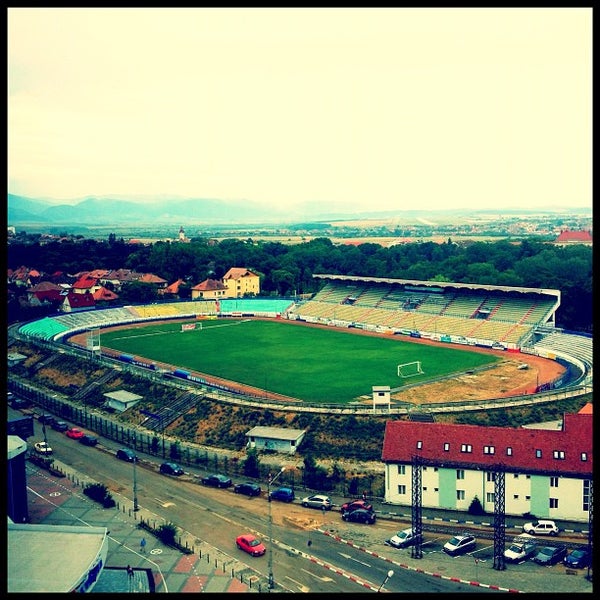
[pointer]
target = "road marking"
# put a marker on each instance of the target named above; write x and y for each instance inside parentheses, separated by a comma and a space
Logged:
(348, 557)
(325, 579)
(301, 587)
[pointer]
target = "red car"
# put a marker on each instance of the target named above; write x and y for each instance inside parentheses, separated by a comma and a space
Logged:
(74, 433)
(350, 506)
(250, 544)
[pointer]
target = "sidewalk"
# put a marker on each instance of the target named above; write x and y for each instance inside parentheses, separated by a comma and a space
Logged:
(156, 568)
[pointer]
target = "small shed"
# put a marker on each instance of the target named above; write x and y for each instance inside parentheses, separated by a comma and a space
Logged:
(121, 400)
(381, 395)
(277, 439)
(14, 358)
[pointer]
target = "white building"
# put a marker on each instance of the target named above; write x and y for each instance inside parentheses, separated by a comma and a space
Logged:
(278, 439)
(547, 473)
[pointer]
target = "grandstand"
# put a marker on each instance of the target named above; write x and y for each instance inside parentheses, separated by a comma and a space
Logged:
(483, 315)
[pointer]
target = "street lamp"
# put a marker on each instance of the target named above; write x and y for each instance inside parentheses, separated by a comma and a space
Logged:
(389, 574)
(135, 498)
(271, 480)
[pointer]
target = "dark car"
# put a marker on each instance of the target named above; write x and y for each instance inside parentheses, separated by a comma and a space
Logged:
(353, 505)
(46, 419)
(171, 468)
(247, 488)
(550, 555)
(285, 494)
(578, 558)
(60, 426)
(88, 440)
(217, 480)
(459, 544)
(16, 402)
(360, 515)
(127, 454)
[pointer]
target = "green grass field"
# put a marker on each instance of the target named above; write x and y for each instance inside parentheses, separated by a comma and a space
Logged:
(315, 365)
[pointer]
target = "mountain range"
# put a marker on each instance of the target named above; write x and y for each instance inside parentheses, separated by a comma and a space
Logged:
(23, 212)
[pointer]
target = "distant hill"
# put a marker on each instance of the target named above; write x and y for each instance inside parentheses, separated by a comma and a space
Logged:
(92, 211)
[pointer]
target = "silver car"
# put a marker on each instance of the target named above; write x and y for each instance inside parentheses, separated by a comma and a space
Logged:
(317, 501)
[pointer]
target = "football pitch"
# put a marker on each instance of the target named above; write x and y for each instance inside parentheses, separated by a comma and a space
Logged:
(311, 364)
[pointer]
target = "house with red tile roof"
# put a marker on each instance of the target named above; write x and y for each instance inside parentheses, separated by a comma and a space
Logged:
(104, 295)
(172, 289)
(209, 289)
(574, 237)
(45, 291)
(241, 282)
(75, 302)
(547, 473)
(86, 284)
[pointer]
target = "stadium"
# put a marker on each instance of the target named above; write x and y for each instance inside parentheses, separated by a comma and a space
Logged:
(476, 331)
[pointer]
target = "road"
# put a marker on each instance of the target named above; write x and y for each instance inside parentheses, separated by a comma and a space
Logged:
(217, 516)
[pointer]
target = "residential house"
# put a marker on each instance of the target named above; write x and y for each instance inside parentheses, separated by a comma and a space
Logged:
(45, 291)
(86, 284)
(547, 473)
(158, 283)
(172, 290)
(241, 282)
(104, 295)
(574, 237)
(77, 302)
(209, 289)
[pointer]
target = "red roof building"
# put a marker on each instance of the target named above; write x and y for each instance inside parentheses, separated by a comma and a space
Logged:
(209, 289)
(548, 472)
(574, 237)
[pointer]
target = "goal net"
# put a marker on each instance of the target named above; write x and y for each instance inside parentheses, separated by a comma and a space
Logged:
(191, 327)
(410, 369)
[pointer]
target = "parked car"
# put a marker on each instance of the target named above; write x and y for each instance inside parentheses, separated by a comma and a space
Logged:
(127, 454)
(46, 419)
(251, 544)
(404, 538)
(354, 504)
(285, 494)
(17, 402)
(74, 433)
(170, 468)
(42, 448)
(88, 440)
(60, 426)
(521, 548)
(578, 558)
(550, 555)
(248, 488)
(360, 515)
(317, 501)
(459, 544)
(541, 527)
(217, 480)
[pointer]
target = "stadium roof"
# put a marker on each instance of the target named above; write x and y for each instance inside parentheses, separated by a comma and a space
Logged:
(439, 284)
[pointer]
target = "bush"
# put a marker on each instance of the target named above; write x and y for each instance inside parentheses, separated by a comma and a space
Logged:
(475, 508)
(99, 493)
(166, 534)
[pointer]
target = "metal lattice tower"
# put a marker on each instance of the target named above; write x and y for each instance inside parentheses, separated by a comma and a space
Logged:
(417, 508)
(590, 528)
(499, 518)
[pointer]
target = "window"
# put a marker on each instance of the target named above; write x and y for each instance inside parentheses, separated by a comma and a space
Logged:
(559, 454)
(460, 494)
(446, 447)
(419, 444)
(515, 476)
(436, 489)
(586, 494)
(424, 488)
(553, 502)
(527, 497)
(435, 469)
(515, 496)
(538, 453)
(584, 456)
(460, 474)
(490, 476)
(401, 469)
(466, 448)
(424, 468)
(402, 490)
(488, 449)
(553, 481)
(490, 497)
(527, 476)
(509, 451)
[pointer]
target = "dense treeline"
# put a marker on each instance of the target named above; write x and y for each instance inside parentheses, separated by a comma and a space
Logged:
(288, 269)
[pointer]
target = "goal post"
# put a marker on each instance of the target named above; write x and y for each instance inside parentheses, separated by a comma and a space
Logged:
(410, 369)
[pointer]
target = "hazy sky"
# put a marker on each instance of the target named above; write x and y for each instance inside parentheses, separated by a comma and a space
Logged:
(377, 108)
